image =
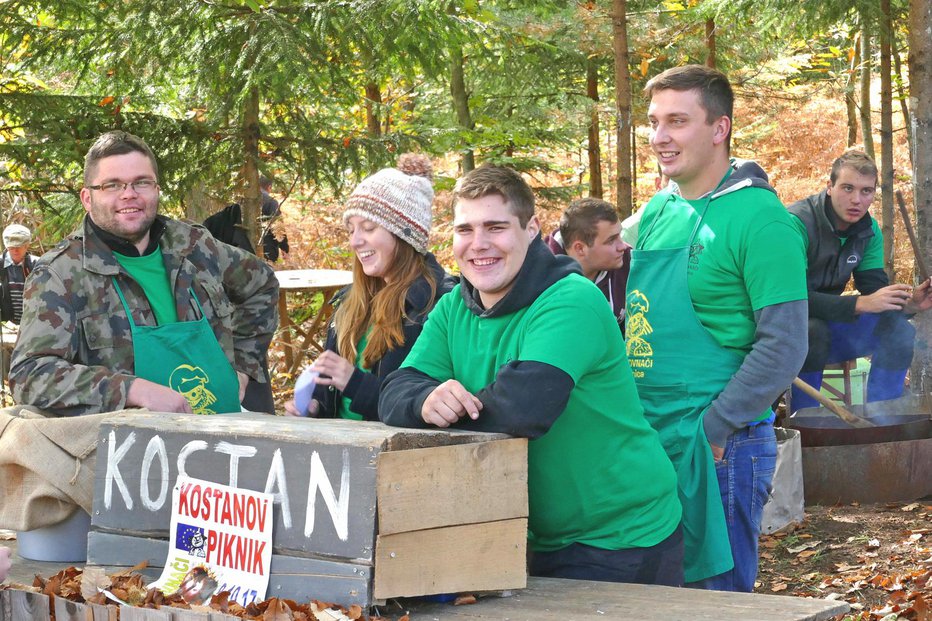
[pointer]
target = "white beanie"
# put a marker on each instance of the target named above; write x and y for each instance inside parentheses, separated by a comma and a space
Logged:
(16, 235)
(397, 199)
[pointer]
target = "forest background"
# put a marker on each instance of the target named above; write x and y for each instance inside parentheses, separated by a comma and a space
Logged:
(316, 95)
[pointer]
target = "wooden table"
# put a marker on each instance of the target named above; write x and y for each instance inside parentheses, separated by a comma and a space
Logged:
(550, 599)
(327, 282)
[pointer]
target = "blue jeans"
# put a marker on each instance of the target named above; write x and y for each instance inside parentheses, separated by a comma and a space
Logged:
(659, 564)
(745, 474)
(887, 337)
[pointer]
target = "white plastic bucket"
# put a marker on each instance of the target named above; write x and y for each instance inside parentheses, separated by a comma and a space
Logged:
(65, 542)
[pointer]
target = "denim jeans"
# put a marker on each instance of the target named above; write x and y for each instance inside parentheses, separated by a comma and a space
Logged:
(887, 337)
(659, 564)
(745, 474)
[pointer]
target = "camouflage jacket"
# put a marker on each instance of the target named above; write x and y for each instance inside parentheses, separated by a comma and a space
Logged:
(74, 354)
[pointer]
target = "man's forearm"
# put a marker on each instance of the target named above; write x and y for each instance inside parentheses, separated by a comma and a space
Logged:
(780, 347)
(402, 397)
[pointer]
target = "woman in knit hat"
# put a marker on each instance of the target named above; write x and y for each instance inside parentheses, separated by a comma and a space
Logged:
(396, 281)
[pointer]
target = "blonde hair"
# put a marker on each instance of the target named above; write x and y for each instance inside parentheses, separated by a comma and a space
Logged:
(379, 304)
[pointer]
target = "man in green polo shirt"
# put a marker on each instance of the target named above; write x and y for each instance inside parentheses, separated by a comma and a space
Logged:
(716, 321)
(526, 345)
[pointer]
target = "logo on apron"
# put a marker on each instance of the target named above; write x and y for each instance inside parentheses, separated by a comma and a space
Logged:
(640, 352)
(192, 383)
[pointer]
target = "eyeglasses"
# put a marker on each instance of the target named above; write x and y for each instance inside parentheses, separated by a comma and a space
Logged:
(114, 187)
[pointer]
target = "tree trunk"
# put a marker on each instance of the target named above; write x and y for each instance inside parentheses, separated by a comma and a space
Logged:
(710, 42)
(461, 103)
(920, 70)
(373, 101)
(851, 103)
(866, 131)
(886, 138)
(252, 200)
(901, 95)
(595, 149)
(622, 106)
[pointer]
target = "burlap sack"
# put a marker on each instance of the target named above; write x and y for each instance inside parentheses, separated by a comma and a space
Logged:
(46, 466)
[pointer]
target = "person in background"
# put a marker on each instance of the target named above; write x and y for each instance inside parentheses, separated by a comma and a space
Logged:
(526, 345)
(272, 247)
(15, 265)
(135, 309)
(396, 282)
(716, 321)
(843, 241)
(590, 233)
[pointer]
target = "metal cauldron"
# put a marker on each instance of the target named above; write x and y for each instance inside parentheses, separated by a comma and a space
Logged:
(891, 461)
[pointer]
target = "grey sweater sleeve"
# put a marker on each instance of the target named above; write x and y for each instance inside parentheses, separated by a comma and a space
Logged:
(781, 342)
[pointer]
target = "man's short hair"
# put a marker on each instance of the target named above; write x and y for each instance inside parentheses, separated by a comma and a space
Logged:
(858, 160)
(715, 94)
(264, 182)
(506, 182)
(115, 143)
(581, 219)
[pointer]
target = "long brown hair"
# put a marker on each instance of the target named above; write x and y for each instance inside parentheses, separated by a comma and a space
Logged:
(371, 301)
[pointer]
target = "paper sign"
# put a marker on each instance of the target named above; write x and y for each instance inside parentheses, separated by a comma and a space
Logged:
(221, 540)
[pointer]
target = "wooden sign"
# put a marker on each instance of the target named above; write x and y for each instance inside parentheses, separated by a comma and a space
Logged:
(348, 499)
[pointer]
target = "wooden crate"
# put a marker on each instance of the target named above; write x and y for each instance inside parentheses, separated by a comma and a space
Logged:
(363, 512)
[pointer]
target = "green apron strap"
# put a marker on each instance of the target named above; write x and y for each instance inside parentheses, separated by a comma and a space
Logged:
(129, 315)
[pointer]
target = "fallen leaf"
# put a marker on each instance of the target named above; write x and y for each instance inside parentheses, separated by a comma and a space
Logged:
(873, 543)
(464, 600)
(93, 580)
(779, 586)
(806, 546)
(910, 507)
(807, 554)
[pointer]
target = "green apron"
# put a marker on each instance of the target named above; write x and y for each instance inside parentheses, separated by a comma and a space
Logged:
(679, 370)
(186, 357)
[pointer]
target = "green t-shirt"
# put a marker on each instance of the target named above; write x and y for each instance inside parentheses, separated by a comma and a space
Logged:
(149, 272)
(599, 476)
(344, 404)
(746, 255)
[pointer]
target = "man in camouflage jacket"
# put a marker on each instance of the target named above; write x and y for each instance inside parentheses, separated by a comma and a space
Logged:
(75, 351)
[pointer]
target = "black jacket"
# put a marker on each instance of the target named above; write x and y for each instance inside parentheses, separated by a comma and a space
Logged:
(6, 297)
(364, 387)
(830, 267)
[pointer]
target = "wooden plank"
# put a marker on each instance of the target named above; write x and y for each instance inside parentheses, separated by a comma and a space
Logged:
(472, 557)
(290, 577)
(104, 612)
(23, 606)
(133, 613)
(66, 610)
(181, 614)
(445, 486)
(551, 599)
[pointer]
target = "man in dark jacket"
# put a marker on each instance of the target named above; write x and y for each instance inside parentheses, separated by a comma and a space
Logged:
(591, 233)
(844, 241)
(15, 265)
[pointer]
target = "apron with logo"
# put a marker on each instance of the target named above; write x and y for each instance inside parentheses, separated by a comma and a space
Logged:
(186, 357)
(679, 370)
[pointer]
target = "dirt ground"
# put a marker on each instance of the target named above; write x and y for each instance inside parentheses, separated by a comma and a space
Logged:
(878, 558)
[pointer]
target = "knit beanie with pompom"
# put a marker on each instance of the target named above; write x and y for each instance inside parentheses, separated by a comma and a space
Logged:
(398, 199)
